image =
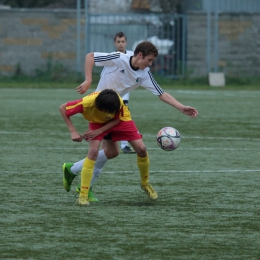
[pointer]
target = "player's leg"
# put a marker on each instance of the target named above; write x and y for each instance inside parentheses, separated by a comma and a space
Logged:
(128, 130)
(126, 99)
(110, 150)
(68, 175)
(87, 172)
(125, 147)
(101, 159)
(143, 164)
(73, 169)
(99, 164)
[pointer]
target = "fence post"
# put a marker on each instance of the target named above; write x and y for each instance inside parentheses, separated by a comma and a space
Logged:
(87, 28)
(209, 37)
(78, 36)
(216, 37)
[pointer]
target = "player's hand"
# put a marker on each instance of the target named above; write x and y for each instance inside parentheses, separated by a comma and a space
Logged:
(90, 134)
(83, 87)
(76, 137)
(189, 111)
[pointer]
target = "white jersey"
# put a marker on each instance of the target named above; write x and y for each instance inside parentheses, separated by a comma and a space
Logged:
(121, 76)
(127, 52)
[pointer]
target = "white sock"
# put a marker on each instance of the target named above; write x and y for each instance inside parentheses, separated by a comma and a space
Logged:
(76, 167)
(99, 164)
(124, 144)
(126, 97)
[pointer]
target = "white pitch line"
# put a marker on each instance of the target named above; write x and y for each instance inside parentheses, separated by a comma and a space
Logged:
(214, 93)
(144, 135)
(194, 171)
(172, 171)
(148, 148)
(212, 138)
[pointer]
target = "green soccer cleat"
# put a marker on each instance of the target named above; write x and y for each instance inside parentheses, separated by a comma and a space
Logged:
(149, 190)
(68, 176)
(82, 201)
(91, 196)
(78, 188)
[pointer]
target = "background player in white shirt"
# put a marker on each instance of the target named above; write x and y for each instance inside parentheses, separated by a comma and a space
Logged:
(120, 42)
(123, 74)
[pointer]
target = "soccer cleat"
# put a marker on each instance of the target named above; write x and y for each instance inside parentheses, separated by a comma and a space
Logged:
(91, 196)
(78, 188)
(127, 149)
(149, 190)
(68, 176)
(82, 201)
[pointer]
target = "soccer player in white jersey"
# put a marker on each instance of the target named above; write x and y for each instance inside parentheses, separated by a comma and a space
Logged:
(120, 42)
(123, 74)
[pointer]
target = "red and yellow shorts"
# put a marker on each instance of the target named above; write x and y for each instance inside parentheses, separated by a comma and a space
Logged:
(124, 130)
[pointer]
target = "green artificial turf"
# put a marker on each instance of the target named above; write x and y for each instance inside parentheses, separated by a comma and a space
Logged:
(208, 205)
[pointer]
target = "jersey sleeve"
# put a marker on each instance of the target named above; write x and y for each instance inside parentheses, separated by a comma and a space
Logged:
(149, 83)
(129, 53)
(106, 59)
(74, 107)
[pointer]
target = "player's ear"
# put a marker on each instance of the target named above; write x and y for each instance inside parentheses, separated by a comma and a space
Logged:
(140, 55)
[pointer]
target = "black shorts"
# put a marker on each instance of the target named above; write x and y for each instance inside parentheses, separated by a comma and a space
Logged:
(108, 137)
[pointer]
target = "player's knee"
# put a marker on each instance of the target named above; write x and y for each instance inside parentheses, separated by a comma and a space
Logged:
(141, 151)
(93, 154)
(111, 153)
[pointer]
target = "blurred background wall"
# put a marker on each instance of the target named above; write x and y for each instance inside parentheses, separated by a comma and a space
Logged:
(193, 37)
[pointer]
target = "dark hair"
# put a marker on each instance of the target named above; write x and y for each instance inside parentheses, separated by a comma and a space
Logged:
(108, 101)
(119, 35)
(147, 48)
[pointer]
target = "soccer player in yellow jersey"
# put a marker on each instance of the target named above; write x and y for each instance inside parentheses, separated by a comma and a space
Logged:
(107, 115)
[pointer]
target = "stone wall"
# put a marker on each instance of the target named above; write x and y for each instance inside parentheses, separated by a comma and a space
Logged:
(30, 36)
(239, 44)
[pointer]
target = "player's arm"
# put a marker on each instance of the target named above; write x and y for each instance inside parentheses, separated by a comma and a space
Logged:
(149, 83)
(90, 134)
(75, 136)
(187, 110)
(98, 59)
(89, 64)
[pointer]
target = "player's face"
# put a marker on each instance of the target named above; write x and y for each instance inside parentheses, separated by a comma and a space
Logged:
(146, 61)
(120, 44)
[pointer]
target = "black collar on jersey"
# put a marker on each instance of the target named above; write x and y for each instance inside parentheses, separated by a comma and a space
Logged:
(120, 51)
(130, 62)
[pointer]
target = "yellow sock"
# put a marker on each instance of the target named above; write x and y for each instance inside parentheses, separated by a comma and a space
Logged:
(143, 165)
(86, 176)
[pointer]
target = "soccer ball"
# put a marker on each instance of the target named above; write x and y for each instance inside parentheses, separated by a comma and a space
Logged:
(168, 138)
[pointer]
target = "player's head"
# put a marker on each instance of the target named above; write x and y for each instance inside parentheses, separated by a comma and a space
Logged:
(108, 101)
(146, 48)
(144, 55)
(120, 41)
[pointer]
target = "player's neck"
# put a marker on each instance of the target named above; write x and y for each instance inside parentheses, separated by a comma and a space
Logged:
(134, 62)
(123, 51)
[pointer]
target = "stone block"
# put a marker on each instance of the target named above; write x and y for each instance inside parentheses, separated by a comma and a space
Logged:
(217, 79)
(22, 41)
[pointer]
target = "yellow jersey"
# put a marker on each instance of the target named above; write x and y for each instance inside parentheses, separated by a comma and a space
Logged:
(86, 106)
